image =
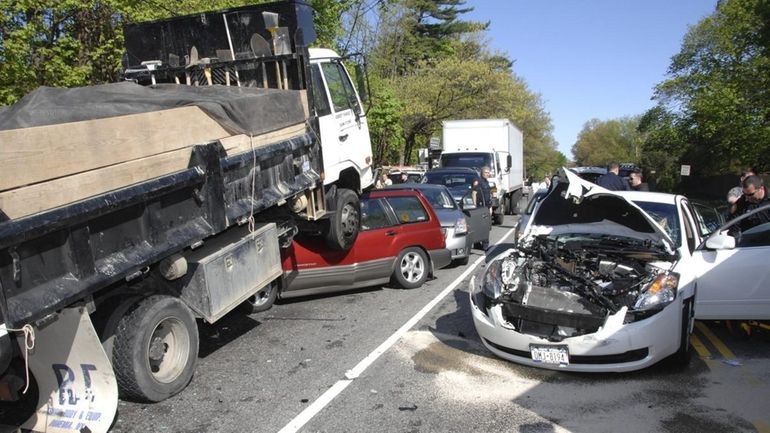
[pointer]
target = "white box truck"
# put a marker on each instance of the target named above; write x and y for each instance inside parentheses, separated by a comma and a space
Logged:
(495, 143)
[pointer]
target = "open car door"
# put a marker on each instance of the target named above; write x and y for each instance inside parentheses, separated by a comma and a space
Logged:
(733, 276)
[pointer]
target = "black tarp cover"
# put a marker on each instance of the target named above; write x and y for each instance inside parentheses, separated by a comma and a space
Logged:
(240, 110)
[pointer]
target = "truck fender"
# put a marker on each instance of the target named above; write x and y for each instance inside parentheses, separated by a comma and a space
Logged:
(77, 387)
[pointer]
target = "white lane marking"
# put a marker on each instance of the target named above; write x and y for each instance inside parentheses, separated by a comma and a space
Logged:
(306, 415)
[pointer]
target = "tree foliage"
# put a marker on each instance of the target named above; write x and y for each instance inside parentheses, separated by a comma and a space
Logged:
(604, 141)
(715, 104)
(436, 66)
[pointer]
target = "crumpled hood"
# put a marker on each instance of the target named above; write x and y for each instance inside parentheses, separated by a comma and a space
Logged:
(574, 205)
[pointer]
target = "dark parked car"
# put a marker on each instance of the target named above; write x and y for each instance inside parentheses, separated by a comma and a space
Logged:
(401, 240)
(463, 185)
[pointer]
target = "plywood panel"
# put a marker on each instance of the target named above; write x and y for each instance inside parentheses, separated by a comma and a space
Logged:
(32, 155)
(241, 143)
(20, 202)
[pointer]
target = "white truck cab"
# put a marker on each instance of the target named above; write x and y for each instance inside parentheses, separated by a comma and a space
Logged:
(347, 150)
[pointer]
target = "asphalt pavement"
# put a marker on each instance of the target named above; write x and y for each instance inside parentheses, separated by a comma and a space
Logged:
(383, 359)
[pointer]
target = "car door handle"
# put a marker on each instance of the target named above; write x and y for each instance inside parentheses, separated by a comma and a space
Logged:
(343, 137)
(391, 233)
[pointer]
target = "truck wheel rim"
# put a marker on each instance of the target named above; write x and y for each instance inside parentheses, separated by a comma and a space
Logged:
(168, 350)
(349, 220)
(412, 267)
(261, 297)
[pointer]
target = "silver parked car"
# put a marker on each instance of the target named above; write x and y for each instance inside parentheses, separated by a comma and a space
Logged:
(463, 224)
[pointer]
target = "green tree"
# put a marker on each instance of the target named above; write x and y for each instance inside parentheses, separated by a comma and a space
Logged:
(603, 141)
(719, 90)
(420, 31)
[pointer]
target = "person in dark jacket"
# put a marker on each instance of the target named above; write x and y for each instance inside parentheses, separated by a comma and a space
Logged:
(611, 180)
(636, 181)
(754, 196)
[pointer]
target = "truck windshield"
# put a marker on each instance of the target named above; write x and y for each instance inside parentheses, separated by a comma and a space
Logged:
(475, 160)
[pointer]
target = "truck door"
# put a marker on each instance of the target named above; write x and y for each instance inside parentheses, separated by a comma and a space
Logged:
(343, 124)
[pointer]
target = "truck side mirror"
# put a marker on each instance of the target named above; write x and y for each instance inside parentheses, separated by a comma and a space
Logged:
(509, 161)
(361, 82)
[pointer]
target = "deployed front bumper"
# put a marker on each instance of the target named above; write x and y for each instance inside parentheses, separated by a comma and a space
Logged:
(615, 347)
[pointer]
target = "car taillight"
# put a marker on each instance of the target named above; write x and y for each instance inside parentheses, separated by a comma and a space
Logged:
(444, 232)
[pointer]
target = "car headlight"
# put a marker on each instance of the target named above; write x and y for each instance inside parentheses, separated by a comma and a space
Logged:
(461, 226)
(659, 292)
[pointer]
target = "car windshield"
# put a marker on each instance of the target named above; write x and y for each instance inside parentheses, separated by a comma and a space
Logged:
(450, 180)
(439, 198)
(475, 160)
(666, 216)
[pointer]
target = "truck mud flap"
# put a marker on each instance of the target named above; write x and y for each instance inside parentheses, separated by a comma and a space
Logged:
(77, 387)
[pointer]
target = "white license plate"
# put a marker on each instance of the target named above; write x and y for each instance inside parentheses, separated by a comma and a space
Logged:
(550, 354)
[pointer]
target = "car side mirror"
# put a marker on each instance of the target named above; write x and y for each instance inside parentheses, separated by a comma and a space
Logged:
(721, 241)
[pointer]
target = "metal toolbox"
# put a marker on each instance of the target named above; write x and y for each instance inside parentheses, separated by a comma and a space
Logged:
(230, 268)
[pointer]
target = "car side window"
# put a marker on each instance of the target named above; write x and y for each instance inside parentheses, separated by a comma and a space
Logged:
(408, 209)
(320, 102)
(757, 236)
(340, 87)
(374, 215)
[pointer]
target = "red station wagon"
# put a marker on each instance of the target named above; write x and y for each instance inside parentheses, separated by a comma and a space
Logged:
(400, 241)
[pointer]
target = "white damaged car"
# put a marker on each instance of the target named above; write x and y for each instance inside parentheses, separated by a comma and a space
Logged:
(594, 284)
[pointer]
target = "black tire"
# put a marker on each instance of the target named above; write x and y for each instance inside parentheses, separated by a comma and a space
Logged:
(516, 197)
(497, 218)
(411, 268)
(507, 208)
(155, 349)
(262, 300)
(344, 224)
(463, 261)
(681, 358)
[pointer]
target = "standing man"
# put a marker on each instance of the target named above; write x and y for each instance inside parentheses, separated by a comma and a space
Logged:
(486, 195)
(611, 180)
(754, 196)
(636, 181)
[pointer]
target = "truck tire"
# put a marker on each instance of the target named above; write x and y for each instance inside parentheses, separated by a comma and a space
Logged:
(344, 224)
(262, 300)
(515, 202)
(411, 269)
(155, 349)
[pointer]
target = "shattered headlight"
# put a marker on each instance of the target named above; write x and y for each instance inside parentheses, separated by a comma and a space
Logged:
(659, 292)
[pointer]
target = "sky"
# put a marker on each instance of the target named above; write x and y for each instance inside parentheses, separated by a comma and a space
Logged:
(589, 58)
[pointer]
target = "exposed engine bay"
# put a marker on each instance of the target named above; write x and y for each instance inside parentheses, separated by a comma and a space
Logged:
(567, 285)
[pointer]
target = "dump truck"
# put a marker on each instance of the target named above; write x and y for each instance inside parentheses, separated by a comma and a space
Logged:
(131, 211)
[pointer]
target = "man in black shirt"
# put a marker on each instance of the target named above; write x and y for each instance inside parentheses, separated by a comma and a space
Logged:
(754, 196)
(611, 180)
